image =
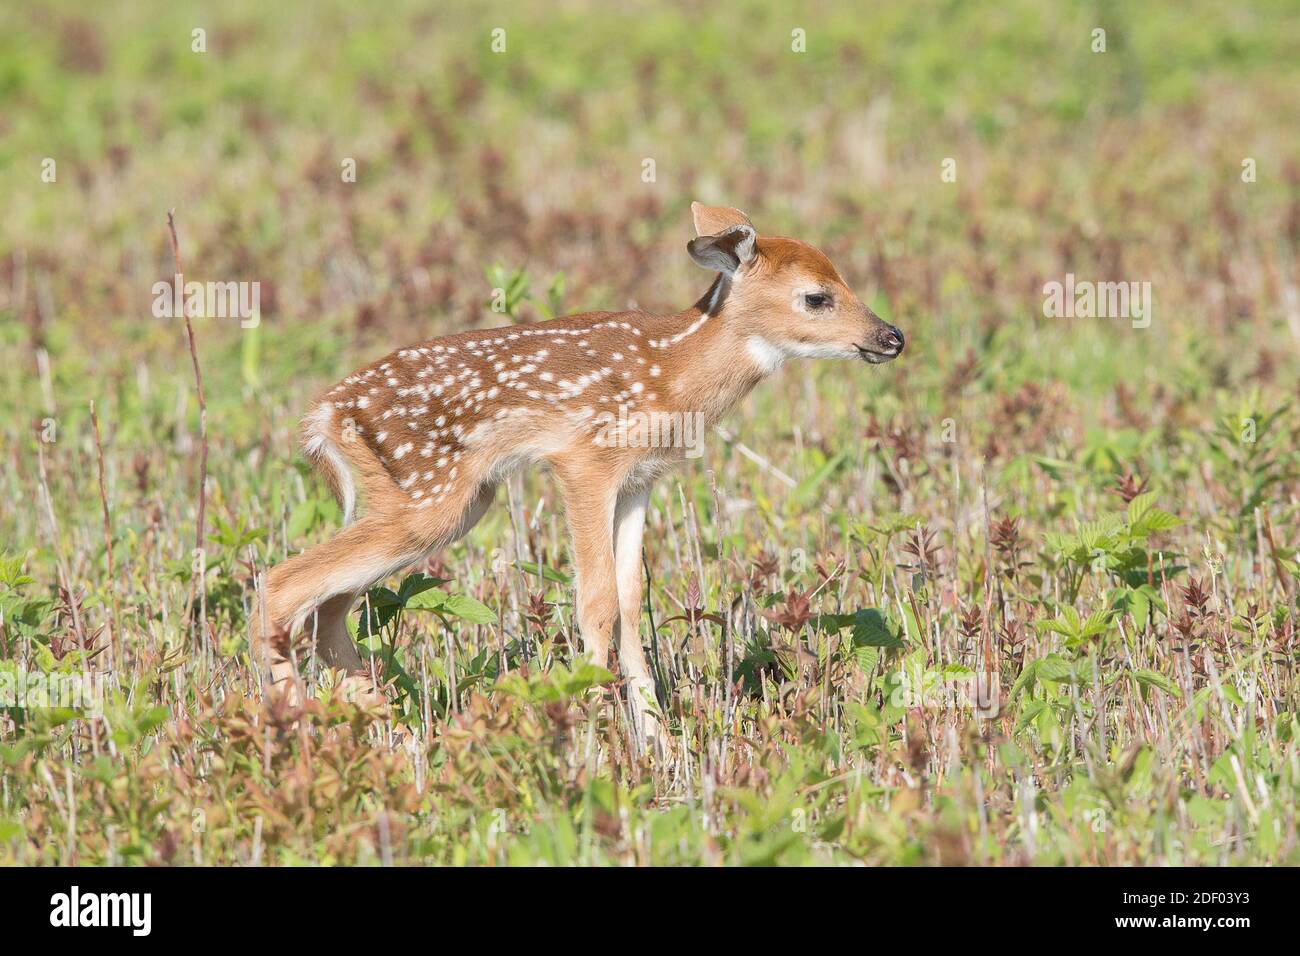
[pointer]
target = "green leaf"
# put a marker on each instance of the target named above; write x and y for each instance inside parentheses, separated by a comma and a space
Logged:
(468, 609)
(1098, 622)
(558, 683)
(378, 608)
(1055, 668)
(1140, 506)
(1028, 713)
(1066, 624)
(584, 676)
(1062, 543)
(537, 569)
(1026, 681)
(1145, 519)
(1054, 467)
(416, 584)
(1150, 678)
(1134, 602)
(383, 598)
(431, 600)
(870, 629)
(867, 658)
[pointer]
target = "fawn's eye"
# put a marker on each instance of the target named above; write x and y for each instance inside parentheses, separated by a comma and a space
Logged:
(817, 300)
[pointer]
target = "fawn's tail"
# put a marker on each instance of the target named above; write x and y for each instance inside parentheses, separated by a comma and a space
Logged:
(320, 443)
(338, 449)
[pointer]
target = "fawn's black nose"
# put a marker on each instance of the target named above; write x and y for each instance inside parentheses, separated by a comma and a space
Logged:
(894, 339)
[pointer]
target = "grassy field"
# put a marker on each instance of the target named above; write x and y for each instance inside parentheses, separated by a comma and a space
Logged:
(1091, 521)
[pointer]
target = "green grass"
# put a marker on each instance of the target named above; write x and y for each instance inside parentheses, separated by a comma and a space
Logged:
(966, 510)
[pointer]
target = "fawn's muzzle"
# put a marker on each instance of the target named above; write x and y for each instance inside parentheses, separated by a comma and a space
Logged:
(887, 343)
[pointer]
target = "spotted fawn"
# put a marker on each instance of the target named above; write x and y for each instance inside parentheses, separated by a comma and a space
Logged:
(425, 435)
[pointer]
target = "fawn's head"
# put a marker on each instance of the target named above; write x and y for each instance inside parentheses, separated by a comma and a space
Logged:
(786, 294)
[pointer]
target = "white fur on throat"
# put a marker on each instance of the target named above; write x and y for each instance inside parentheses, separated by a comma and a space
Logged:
(770, 356)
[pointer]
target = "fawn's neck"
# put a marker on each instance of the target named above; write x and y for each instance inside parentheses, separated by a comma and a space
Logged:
(707, 359)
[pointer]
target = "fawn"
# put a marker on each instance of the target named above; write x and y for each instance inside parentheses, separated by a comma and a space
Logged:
(431, 429)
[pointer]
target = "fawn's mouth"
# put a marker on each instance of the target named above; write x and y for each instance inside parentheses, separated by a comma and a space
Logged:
(874, 357)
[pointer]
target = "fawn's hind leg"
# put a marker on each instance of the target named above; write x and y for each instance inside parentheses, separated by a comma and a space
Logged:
(326, 580)
(333, 642)
(320, 586)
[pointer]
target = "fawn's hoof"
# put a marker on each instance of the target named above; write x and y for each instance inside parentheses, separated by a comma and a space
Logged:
(284, 689)
(646, 727)
(360, 690)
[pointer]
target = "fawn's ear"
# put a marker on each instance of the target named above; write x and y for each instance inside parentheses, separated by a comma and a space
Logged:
(726, 238)
(726, 252)
(711, 220)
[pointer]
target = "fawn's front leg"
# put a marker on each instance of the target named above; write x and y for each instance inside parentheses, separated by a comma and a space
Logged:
(589, 507)
(629, 522)
(609, 586)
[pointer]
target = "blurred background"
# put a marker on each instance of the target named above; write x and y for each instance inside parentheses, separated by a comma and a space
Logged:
(380, 172)
(1117, 165)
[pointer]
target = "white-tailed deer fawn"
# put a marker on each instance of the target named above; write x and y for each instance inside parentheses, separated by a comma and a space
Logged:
(429, 431)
